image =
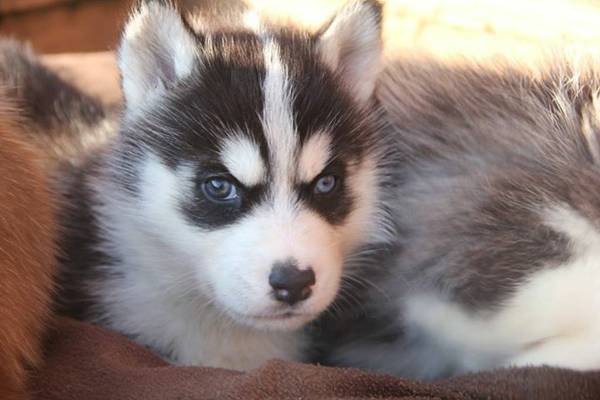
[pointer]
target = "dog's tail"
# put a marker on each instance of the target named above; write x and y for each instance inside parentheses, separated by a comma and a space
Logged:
(58, 117)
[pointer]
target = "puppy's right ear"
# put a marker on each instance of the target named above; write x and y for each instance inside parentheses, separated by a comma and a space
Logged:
(157, 50)
(351, 44)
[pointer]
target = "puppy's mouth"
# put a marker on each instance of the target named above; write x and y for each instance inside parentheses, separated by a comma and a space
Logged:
(277, 317)
(288, 320)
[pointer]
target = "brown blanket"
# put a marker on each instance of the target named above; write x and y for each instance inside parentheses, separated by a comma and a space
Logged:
(85, 362)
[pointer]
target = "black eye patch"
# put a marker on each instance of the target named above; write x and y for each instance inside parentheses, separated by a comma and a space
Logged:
(201, 209)
(333, 206)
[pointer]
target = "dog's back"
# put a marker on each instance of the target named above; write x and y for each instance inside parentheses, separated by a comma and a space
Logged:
(27, 255)
(498, 209)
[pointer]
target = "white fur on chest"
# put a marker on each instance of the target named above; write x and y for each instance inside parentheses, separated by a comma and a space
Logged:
(553, 318)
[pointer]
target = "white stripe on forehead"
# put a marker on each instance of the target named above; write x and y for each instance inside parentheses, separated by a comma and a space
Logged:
(278, 117)
(241, 156)
(314, 156)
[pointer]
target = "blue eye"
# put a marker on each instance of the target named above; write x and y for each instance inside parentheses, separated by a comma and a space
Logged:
(220, 190)
(325, 184)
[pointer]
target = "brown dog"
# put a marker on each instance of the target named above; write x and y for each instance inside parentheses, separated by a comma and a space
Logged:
(27, 256)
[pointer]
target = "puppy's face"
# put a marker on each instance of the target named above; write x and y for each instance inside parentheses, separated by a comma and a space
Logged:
(255, 155)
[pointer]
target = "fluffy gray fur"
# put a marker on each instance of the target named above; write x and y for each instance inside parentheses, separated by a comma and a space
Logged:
(484, 152)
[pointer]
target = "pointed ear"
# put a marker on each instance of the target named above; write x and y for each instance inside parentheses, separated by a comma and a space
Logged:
(351, 44)
(590, 128)
(157, 50)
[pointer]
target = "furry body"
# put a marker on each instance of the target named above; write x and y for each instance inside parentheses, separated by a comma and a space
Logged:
(27, 255)
(498, 218)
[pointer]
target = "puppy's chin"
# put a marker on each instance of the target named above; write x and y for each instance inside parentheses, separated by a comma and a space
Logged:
(281, 321)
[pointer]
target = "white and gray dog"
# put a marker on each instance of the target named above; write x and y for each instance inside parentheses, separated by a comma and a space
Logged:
(247, 169)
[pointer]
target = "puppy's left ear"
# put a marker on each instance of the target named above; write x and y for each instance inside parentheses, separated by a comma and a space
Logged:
(351, 45)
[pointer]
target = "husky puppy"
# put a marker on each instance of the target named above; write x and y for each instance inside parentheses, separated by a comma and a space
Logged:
(27, 254)
(497, 261)
(247, 169)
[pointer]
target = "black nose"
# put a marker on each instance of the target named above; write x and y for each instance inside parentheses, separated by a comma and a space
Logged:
(290, 284)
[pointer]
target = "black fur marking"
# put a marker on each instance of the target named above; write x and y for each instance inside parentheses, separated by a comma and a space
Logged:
(79, 243)
(225, 97)
(189, 125)
(334, 206)
(322, 105)
(208, 214)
